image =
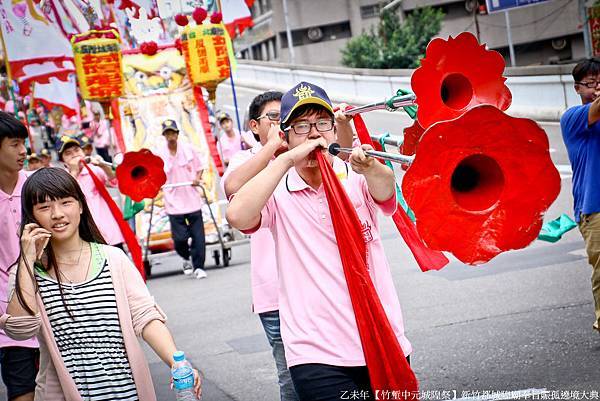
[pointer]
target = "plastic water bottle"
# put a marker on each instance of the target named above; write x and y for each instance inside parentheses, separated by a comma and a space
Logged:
(183, 378)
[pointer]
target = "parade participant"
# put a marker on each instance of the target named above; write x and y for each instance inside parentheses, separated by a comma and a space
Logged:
(70, 153)
(100, 129)
(85, 299)
(581, 134)
(86, 146)
(183, 204)
(45, 157)
(18, 359)
(230, 141)
(34, 162)
(264, 115)
(318, 326)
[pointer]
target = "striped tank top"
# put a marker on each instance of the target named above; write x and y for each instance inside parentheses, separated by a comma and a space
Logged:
(91, 342)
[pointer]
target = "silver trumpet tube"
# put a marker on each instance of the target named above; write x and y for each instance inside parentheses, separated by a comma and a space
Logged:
(178, 184)
(391, 104)
(336, 149)
(103, 162)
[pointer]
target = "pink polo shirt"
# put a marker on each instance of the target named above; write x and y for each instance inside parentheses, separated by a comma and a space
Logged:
(10, 210)
(263, 264)
(100, 133)
(230, 145)
(181, 167)
(100, 211)
(317, 320)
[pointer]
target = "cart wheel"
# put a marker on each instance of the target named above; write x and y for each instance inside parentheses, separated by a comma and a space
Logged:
(217, 258)
(147, 269)
(226, 256)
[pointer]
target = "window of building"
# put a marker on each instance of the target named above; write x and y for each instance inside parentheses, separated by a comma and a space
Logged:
(370, 11)
(316, 34)
(265, 50)
(260, 7)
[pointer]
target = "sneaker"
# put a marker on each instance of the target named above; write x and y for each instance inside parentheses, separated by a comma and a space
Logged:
(187, 268)
(199, 273)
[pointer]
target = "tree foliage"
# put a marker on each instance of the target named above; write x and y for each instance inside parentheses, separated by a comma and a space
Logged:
(394, 44)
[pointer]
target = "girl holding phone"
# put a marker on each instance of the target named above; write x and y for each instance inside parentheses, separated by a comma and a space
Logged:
(84, 299)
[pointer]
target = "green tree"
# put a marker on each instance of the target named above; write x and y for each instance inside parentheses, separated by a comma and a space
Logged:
(394, 44)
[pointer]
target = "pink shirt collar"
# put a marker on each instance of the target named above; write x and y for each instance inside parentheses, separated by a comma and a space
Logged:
(295, 183)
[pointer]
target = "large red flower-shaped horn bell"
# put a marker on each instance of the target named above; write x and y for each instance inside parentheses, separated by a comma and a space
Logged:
(141, 175)
(479, 184)
(456, 75)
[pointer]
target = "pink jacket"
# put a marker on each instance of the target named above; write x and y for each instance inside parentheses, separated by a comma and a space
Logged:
(136, 308)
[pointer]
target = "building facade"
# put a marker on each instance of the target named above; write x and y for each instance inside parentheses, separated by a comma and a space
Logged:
(547, 33)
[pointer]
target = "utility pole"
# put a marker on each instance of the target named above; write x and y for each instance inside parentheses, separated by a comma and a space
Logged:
(475, 20)
(511, 48)
(288, 33)
(587, 40)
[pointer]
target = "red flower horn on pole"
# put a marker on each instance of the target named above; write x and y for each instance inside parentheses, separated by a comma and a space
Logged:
(412, 135)
(480, 184)
(141, 175)
(456, 75)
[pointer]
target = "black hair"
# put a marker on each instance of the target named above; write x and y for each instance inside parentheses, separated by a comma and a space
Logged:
(45, 185)
(257, 106)
(585, 68)
(10, 127)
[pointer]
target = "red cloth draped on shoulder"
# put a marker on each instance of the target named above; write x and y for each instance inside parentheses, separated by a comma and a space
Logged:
(388, 368)
(130, 238)
(426, 258)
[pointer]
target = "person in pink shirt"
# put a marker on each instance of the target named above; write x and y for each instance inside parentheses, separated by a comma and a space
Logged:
(100, 129)
(230, 141)
(71, 154)
(18, 359)
(322, 345)
(264, 115)
(183, 204)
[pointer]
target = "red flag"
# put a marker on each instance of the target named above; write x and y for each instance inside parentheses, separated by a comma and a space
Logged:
(130, 238)
(388, 368)
(210, 140)
(426, 258)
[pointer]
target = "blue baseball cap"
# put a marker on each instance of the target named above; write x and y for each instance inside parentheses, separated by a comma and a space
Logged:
(169, 125)
(301, 94)
(63, 141)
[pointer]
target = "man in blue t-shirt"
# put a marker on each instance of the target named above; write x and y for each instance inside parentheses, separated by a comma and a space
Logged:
(581, 134)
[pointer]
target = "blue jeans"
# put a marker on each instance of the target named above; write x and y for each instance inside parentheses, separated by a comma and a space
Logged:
(270, 322)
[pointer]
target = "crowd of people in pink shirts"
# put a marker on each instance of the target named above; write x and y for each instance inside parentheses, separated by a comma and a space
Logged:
(66, 242)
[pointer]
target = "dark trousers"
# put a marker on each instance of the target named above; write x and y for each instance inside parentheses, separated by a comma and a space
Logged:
(183, 227)
(19, 368)
(319, 382)
(103, 152)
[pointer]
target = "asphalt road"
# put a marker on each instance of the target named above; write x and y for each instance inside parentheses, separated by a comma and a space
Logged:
(520, 322)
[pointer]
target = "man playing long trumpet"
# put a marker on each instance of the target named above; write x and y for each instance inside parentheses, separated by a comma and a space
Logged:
(318, 326)
(70, 152)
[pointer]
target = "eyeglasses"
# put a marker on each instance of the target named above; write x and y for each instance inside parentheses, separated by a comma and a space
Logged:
(303, 128)
(271, 115)
(589, 84)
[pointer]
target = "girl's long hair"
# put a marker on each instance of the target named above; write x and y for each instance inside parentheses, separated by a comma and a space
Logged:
(49, 184)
